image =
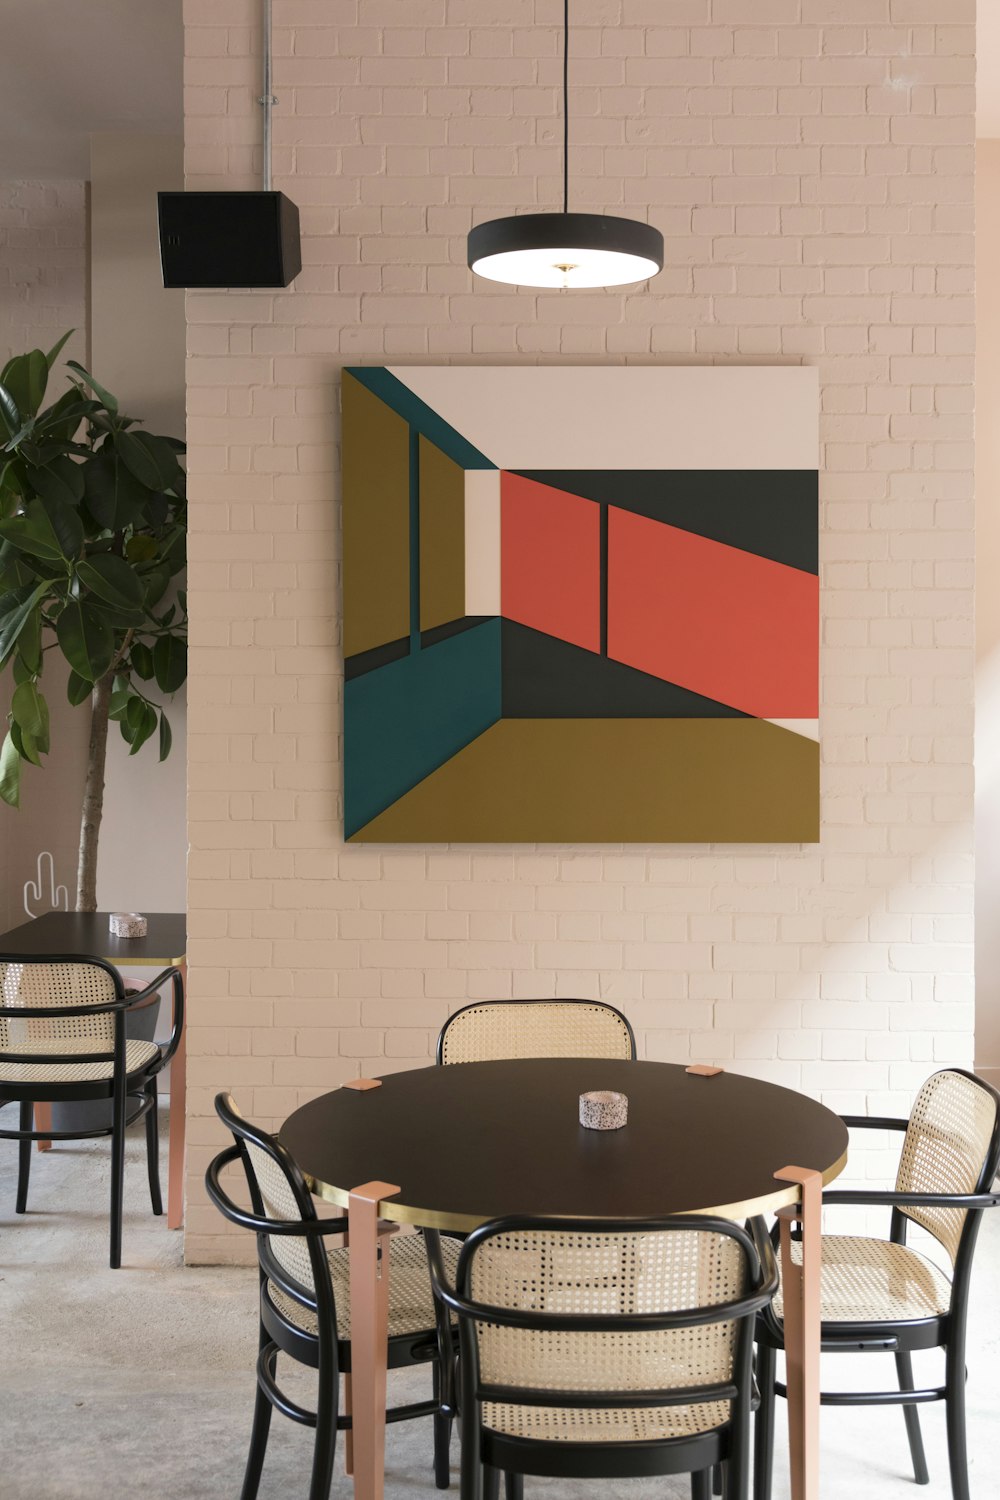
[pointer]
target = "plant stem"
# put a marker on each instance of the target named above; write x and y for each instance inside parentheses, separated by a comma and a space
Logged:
(93, 795)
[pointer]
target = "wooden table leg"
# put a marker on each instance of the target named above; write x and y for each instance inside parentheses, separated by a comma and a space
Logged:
(369, 1274)
(175, 1151)
(43, 1121)
(801, 1294)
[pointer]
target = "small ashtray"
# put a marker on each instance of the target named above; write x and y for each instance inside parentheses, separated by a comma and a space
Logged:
(127, 924)
(603, 1109)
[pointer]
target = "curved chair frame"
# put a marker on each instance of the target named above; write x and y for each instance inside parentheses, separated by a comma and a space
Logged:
(323, 1351)
(485, 1005)
(517, 1456)
(122, 1085)
(900, 1338)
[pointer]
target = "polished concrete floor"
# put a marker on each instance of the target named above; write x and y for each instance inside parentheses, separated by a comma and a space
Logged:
(139, 1381)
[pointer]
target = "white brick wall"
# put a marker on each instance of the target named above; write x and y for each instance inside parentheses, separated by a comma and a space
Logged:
(810, 163)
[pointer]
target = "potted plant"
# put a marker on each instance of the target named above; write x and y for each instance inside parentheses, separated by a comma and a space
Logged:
(92, 535)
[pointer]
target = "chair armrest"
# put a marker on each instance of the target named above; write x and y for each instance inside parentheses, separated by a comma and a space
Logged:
(247, 1220)
(911, 1200)
(145, 997)
(874, 1122)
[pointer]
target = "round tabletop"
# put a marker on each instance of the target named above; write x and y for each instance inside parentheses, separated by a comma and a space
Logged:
(477, 1141)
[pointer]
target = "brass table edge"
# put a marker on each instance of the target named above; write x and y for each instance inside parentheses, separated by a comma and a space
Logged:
(426, 1218)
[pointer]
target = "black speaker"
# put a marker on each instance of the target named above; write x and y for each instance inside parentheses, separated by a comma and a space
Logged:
(229, 239)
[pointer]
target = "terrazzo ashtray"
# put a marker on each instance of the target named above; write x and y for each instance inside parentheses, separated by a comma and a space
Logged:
(603, 1110)
(127, 924)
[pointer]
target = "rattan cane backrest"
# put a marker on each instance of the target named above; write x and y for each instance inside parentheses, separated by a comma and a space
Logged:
(279, 1200)
(500, 1030)
(556, 1272)
(56, 984)
(945, 1149)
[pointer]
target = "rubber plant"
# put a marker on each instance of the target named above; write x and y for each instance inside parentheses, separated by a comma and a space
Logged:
(92, 533)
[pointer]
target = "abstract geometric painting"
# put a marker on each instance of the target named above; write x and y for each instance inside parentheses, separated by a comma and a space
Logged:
(580, 605)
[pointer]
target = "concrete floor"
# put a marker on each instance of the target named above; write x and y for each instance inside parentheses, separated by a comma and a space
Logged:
(141, 1379)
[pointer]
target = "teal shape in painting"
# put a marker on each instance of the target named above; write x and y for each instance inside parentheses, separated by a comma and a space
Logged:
(404, 720)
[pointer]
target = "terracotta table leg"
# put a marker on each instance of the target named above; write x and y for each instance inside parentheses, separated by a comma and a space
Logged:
(801, 1284)
(43, 1121)
(175, 1153)
(369, 1273)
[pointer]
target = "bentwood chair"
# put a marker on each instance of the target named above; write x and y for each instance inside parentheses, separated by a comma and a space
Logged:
(305, 1310)
(605, 1349)
(500, 1030)
(884, 1297)
(62, 1036)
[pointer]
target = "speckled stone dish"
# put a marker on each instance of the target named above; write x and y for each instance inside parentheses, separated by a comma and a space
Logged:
(603, 1109)
(126, 924)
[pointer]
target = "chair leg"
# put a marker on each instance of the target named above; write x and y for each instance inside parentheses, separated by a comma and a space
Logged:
(954, 1406)
(325, 1448)
(717, 1479)
(701, 1484)
(513, 1485)
(117, 1177)
(258, 1445)
(153, 1148)
(24, 1157)
(911, 1416)
(491, 1482)
(442, 1437)
(763, 1446)
(471, 1472)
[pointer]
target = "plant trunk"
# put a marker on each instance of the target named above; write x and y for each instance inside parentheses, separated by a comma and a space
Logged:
(93, 795)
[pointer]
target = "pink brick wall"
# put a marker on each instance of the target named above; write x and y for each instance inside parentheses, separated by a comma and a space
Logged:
(810, 163)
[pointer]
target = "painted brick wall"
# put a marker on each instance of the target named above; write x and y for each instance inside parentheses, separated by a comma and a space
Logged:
(810, 163)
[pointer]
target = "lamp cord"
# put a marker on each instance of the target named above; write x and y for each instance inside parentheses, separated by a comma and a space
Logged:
(565, 106)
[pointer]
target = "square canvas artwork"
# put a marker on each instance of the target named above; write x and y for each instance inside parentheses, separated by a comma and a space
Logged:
(580, 605)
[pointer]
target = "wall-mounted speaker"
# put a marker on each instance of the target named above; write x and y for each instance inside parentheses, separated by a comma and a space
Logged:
(229, 239)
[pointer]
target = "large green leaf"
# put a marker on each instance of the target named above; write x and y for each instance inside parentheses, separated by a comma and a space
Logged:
(138, 460)
(86, 640)
(33, 532)
(170, 662)
(67, 528)
(26, 376)
(78, 689)
(29, 642)
(142, 660)
(60, 479)
(111, 579)
(156, 581)
(58, 348)
(10, 772)
(140, 548)
(24, 744)
(15, 609)
(146, 727)
(64, 416)
(166, 738)
(115, 498)
(111, 402)
(31, 714)
(9, 413)
(162, 456)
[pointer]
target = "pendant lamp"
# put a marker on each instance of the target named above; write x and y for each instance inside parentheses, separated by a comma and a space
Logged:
(563, 249)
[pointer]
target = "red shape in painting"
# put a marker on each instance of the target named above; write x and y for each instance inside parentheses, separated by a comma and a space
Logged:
(550, 560)
(720, 621)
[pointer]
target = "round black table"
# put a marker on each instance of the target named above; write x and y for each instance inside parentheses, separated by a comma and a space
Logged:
(479, 1140)
(449, 1147)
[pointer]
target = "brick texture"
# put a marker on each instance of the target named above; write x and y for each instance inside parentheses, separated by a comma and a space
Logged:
(810, 163)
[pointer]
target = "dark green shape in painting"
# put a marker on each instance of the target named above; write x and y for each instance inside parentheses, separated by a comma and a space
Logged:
(404, 720)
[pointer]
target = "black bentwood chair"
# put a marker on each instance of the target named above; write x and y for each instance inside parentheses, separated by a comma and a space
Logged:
(62, 1036)
(501, 1030)
(880, 1295)
(305, 1309)
(597, 1349)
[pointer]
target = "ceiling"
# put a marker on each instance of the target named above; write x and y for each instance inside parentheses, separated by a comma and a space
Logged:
(69, 67)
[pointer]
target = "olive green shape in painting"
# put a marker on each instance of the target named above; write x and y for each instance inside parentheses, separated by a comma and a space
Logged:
(376, 524)
(442, 537)
(663, 781)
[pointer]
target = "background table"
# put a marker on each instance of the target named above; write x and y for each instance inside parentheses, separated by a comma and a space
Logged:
(86, 935)
(450, 1147)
